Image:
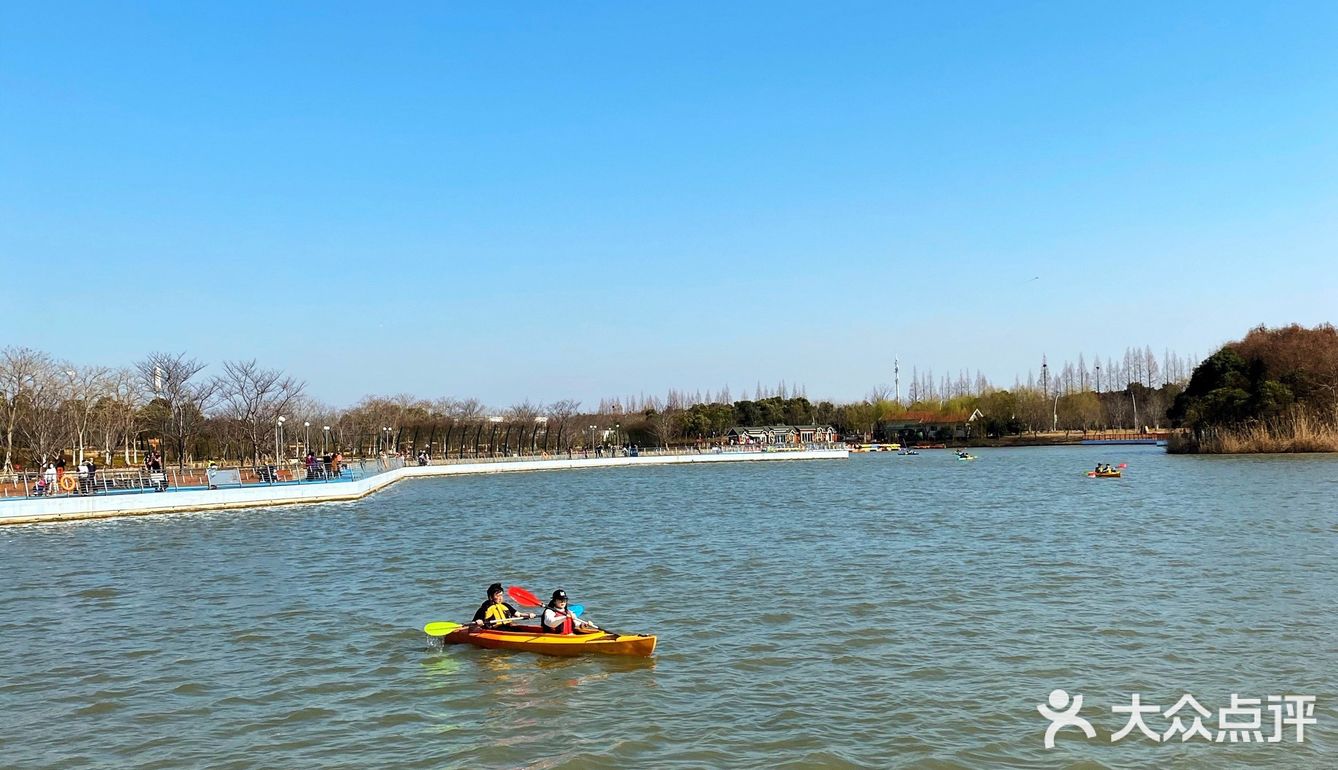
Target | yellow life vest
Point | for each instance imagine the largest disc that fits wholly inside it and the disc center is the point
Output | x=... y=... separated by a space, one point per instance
x=497 y=613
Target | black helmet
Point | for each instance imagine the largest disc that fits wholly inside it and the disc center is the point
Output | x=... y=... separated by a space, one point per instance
x=495 y=588
x=559 y=594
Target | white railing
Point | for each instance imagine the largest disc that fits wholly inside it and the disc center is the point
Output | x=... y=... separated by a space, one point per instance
x=141 y=480
x=19 y=485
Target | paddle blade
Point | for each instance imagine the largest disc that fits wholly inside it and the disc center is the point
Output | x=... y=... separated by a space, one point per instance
x=1091 y=474
x=524 y=598
x=1122 y=465
x=577 y=609
x=441 y=629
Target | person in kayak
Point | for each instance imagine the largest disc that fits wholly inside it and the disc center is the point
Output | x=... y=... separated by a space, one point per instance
x=496 y=613
x=558 y=619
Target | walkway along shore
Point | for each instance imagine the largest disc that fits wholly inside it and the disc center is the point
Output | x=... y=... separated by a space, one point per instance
x=54 y=509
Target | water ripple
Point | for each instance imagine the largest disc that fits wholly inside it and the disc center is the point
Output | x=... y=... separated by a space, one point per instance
x=885 y=611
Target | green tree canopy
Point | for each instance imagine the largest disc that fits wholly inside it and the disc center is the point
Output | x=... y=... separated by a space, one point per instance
x=1263 y=376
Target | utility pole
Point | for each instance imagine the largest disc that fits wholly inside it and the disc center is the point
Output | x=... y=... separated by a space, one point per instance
x=1045 y=376
x=896 y=378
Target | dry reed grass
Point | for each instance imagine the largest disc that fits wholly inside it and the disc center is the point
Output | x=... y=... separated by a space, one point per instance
x=1296 y=431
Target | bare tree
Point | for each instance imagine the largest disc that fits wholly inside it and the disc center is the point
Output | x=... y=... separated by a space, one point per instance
x=662 y=426
x=41 y=425
x=88 y=386
x=184 y=399
x=256 y=398
x=467 y=410
x=116 y=415
x=1118 y=409
x=1068 y=377
x=21 y=370
x=562 y=414
x=523 y=417
x=408 y=412
x=469 y=414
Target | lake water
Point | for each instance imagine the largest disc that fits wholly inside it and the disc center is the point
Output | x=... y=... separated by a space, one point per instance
x=874 y=612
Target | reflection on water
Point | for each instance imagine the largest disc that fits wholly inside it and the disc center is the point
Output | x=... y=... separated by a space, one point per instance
x=882 y=611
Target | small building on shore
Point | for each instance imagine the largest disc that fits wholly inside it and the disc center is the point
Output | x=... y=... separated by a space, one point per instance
x=781 y=435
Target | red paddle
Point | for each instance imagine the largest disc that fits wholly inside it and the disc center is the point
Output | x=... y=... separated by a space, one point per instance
x=524 y=598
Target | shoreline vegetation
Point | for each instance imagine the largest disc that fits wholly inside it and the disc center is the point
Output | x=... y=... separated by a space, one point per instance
x=1295 y=432
x=1274 y=391
x=185 y=412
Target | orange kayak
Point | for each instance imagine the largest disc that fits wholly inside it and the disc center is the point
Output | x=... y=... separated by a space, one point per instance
x=602 y=642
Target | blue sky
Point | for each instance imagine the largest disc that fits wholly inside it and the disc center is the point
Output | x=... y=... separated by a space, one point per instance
x=542 y=201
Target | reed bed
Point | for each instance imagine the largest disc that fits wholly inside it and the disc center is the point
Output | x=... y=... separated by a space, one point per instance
x=1296 y=431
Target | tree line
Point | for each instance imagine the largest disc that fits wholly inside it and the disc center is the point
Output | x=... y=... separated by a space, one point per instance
x=248 y=413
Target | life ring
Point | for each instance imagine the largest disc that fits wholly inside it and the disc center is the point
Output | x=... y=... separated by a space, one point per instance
x=543 y=456
x=68 y=483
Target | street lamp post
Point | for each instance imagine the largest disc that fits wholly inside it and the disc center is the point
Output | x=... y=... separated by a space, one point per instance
x=278 y=439
x=306 y=437
x=325 y=440
x=1054 y=426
